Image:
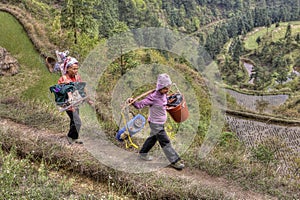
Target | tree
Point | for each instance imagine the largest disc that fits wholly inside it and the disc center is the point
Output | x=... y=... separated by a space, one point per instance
x=248 y=20
x=118 y=48
x=259 y=16
x=77 y=15
x=107 y=17
x=280 y=65
x=258 y=40
x=297 y=38
x=224 y=33
x=212 y=45
x=232 y=28
x=261 y=76
x=283 y=14
x=136 y=14
x=238 y=4
x=268 y=24
x=295 y=9
x=288 y=33
x=236 y=49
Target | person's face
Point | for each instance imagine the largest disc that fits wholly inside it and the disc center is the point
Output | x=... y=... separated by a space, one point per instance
x=164 y=90
x=73 y=70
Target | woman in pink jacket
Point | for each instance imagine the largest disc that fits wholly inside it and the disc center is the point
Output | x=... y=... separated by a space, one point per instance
x=157 y=102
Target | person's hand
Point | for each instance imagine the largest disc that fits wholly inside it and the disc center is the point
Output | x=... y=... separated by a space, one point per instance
x=72 y=109
x=91 y=102
x=129 y=100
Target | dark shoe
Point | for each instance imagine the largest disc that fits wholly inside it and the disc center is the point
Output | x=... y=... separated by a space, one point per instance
x=145 y=157
x=77 y=141
x=178 y=165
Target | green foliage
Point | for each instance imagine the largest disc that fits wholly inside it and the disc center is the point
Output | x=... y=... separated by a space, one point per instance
x=262 y=78
x=263 y=153
x=56 y=32
x=288 y=33
x=77 y=15
x=107 y=17
x=140 y=4
x=273 y=55
x=19 y=178
x=84 y=45
x=136 y=14
x=236 y=49
x=37 y=8
x=228 y=139
x=15 y=40
x=232 y=72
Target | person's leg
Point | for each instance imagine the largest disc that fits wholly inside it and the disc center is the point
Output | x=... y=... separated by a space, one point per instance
x=165 y=144
x=150 y=141
x=75 y=124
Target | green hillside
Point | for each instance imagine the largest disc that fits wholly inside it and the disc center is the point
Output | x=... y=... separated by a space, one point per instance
x=222 y=31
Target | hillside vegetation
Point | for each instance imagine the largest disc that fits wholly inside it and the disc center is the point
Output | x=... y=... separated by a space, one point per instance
x=79 y=31
x=273 y=54
x=24 y=98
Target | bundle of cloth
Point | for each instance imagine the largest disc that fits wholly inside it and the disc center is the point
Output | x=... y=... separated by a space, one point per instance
x=63 y=61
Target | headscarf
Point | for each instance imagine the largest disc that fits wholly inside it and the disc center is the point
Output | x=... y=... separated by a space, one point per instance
x=163 y=80
x=69 y=61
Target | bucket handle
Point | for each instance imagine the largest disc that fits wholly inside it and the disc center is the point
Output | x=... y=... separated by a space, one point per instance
x=174 y=84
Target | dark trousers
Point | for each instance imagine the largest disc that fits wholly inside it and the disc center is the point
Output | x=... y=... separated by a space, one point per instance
x=159 y=134
x=75 y=124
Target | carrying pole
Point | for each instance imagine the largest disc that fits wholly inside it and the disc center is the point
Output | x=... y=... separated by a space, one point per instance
x=137 y=98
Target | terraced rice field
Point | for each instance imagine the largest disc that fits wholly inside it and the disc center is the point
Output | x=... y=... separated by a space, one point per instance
x=251 y=102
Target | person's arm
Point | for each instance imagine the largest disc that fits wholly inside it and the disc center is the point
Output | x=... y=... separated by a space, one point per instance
x=148 y=101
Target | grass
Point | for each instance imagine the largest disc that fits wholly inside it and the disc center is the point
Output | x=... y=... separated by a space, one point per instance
x=255 y=168
x=15 y=36
x=15 y=40
x=80 y=163
x=19 y=178
x=276 y=33
x=23 y=178
x=26 y=95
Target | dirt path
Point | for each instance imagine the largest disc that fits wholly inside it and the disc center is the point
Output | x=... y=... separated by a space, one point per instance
x=194 y=177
